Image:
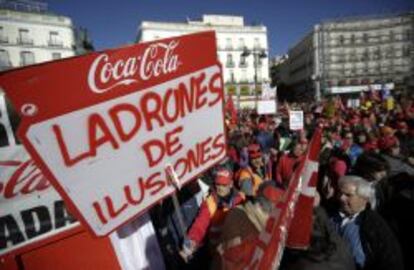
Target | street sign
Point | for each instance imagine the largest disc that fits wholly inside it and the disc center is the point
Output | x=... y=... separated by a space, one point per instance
x=104 y=127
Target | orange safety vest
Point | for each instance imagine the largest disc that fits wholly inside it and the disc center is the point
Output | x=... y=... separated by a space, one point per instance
x=245 y=174
x=217 y=215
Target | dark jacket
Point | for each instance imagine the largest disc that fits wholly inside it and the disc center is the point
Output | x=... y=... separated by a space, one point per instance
x=327 y=250
x=381 y=247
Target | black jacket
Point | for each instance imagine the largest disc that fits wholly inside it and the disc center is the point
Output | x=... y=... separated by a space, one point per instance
x=381 y=247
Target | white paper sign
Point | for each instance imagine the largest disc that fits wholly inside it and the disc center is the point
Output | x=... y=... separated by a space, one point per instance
x=266 y=107
x=296 y=120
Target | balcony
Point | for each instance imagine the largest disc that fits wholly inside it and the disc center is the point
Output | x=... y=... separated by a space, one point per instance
x=4 y=65
x=55 y=43
x=230 y=64
x=243 y=64
x=257 y=47
x=4 y=39
x=25 y=41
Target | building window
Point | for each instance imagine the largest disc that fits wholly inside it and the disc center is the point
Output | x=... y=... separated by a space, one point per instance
x=27 y=58
x=242 y=45
x=243 y=62
x=391 y=35
x=352 y=39
x=390 y=52
x=229 y=61
x=24 y=37
x=228 y=44
x=54 y=39
x=365 y=38
x=406 y=51
x=56 y=55
x=365 y=55
x=3 y=38
x=257 y=61
x=407 y=34
x=4 y=60
x=243 y=76
x=352 y=56
x=377 y=53
x=231 y=77
x=341 y=40
x=257 y=44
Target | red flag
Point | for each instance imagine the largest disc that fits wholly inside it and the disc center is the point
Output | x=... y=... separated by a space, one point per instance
x=301 y=227
x=231 y=110
x=267 y=249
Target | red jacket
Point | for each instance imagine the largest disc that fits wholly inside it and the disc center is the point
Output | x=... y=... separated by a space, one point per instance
x=211 y=217
x=285 y=168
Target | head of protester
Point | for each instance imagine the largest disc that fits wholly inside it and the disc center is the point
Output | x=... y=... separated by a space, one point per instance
x=223 y=182
x=355 y=194
x=250 y=177
x=255 y=157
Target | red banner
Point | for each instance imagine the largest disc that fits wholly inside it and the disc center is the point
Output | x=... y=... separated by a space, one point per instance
x=301 y=227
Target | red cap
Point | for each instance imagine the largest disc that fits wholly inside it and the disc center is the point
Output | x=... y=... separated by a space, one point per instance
x=254 y=151
x=272 y=193
x=223 y=177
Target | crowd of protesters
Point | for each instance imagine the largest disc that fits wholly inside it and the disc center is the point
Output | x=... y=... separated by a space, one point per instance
x=363 y=212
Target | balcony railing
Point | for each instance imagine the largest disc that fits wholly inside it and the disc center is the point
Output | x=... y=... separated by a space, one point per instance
x=25 y=41
x=5 y=65
x=4 y=39
x=55 y=43
x=243 y=64
x=230 y=64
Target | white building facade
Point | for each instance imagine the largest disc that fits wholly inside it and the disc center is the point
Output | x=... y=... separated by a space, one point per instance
x=354 y=53
x=240 y=71
x=30 y=35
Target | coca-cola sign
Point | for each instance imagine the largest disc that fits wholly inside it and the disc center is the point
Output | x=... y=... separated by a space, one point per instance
x=157 y=59
x=31 y=211
x=105 y=133
x=25 y=179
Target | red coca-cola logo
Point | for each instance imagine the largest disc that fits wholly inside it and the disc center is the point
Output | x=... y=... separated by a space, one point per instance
x=158 y=59
x=26 y=179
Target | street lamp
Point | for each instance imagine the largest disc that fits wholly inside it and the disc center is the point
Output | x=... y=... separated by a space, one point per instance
x=257 y=54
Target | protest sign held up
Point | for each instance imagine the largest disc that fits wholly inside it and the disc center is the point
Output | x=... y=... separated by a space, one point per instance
x=103 y=127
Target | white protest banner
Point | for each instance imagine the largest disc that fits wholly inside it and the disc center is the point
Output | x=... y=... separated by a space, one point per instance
x=266 y=107
x=103 y=127
x=296 y=120
x=31 y=211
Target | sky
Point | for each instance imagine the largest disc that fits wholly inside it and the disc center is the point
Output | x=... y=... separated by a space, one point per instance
x=114 y=23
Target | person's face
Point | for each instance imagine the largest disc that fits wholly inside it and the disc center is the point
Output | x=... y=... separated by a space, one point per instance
x=379 y=175
x=411 y=160
x=349 y=138
x=298 y=150
x=257 y=163
x=362 y=138
x=223 y=190
x=351 y=203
